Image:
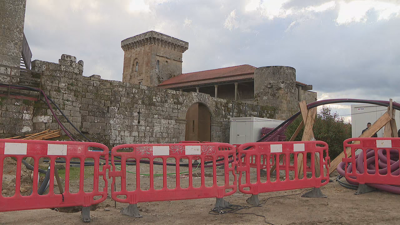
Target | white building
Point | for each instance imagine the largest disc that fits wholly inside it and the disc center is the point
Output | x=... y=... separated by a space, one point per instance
x=361 y=114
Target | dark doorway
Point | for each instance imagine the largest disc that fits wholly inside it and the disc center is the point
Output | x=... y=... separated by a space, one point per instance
x=198 y=123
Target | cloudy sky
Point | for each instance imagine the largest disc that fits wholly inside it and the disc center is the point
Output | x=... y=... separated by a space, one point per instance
x=345 y=49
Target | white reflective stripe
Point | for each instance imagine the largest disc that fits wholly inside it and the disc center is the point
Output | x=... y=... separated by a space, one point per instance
x=15 y=148
x=276 y=148
x=192 y=150
x=298 y=148
x=160 y=150
x=54 y=149
x=384 y=143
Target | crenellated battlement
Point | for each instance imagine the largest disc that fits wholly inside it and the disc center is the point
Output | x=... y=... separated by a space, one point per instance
x=156 y=38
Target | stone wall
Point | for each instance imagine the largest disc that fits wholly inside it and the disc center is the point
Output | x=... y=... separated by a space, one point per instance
x=309 y=96
x=16 y=116
x=12 y=18
x=276 y=86
x=114 y=112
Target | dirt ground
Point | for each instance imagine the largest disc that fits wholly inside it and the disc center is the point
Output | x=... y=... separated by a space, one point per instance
x=341 y=207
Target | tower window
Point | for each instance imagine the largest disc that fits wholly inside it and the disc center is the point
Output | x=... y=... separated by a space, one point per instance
x=158 y=65
x=137 y=66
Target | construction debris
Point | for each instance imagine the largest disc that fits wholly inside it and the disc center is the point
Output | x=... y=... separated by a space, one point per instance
x=44 y=135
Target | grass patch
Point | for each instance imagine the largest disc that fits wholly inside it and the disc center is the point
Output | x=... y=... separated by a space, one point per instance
x=74 y=172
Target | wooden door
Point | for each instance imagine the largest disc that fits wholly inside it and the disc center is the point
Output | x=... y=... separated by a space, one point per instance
x=198 y=123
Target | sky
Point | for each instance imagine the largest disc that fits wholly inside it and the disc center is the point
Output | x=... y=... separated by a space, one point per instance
x=345 y=49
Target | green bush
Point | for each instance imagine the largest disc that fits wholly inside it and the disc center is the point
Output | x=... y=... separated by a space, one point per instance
x=328 y=127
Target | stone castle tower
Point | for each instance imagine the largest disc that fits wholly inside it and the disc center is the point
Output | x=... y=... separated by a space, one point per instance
x=151 y=58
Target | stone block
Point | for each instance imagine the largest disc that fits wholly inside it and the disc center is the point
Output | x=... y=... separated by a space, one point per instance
x=65 y=57
x=39 y=126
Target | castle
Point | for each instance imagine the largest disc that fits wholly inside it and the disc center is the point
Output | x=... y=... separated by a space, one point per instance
x=155 y=60
x=155 y=102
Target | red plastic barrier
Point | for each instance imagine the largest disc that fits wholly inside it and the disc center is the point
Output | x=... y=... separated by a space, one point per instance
x=266 y=154
x=53 y=150
x=263 y=164
x=377 y=160
x=217 y=153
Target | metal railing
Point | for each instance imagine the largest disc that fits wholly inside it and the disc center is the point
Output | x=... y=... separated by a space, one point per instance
x=26 y=53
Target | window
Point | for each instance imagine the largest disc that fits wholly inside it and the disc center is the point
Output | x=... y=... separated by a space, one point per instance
x=158 y=65
x=137 y=66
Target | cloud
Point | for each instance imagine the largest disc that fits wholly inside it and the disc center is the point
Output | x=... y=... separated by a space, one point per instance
x=341 y=60
x=274 y=8
x=252 y=5
x=138 y=6
x=321 y=8
x=356 y=11
x=187 y=22
x=230 y=22
x=290 y=26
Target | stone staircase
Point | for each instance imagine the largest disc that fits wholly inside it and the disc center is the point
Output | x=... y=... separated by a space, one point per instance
x=26 y=79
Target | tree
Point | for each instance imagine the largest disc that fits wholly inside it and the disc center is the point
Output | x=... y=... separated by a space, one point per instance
x=328 y=127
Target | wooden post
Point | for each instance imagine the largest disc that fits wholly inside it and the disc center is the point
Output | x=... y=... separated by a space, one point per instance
x=236 y=91
x=393 y=125
x=301 y=125
x=308 y=135
x=216 y=91
x=59 y=183
x=388 y=128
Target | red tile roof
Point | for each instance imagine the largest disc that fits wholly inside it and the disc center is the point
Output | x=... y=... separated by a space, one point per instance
x=211 y=76
x=234 y=73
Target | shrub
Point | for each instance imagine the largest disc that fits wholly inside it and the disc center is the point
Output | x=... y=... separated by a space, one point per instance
x=328 y=127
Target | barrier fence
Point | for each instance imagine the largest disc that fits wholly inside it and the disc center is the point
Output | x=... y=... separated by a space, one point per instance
x=161 y=172
x=372 y=160
x=198 y=178
x=256 y=160
x=39 y=153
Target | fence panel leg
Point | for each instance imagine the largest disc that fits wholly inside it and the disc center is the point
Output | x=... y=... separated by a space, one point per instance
x=221 y=204
x=85 y=214
x=253 y=200
x=363 y=188
x=314 y=193
x=132 y=211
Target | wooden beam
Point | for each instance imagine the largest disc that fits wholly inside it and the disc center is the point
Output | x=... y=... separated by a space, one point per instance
x=304 y=113
x=387 y=132
x=308 y=129
x=59 y=183
x=393 y=124
x=312 y=113
x=16 y=137
x=308 y=135
x=303 y=110
x=382 y=121
x=301 y=125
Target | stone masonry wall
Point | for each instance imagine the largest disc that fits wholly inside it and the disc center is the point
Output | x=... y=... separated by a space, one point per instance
x=158 y=56
x=114 y=112
x=12 y=18
x=16 y=116
x=276 y=86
